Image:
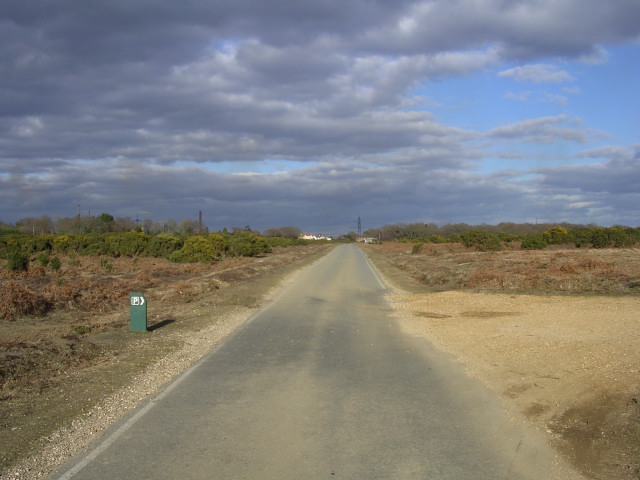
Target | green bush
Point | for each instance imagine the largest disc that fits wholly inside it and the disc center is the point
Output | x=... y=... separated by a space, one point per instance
x=581 y=237
x=104 y=263
x=61 y=243
x=55 y=264
x=127 y=244
x=556 y=235
x=600 y=238
x=623 y=237
x=218 y=242
x=246 y=244
x=43 y=259
x=18 y=262
x=534 y=242
x=8 y=231
x=196 y=248
x=483 y=241
x=162 y=246
x=508 y=237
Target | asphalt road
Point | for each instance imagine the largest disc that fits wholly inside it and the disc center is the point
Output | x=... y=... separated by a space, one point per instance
x=320 y=384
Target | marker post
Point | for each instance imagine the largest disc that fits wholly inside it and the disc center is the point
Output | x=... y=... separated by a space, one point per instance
x=137 y=312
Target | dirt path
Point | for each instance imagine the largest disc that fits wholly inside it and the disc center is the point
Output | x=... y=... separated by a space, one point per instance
x=568 y=364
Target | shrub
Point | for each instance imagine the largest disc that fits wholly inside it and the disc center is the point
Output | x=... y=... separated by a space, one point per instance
x=581 y=237
x=284 y=241
x=61 y=243
x=43 y=243
x=534 y=242
x=55 y=264
x=556 y=235
x=622 y=237
x=18 y=262
x=162 y=246
x=438 y=239
x=247 y=245
x=218 y=242
x=17 y=300
x=508 y=237
x=127 y=244
x=104 y=263
x=600 y=238
x=43 y=259
x=196 y=248
x=483 y=241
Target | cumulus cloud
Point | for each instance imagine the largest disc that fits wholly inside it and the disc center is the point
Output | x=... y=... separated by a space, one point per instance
x=539 y=73
x=519 y=96
x=541 y=130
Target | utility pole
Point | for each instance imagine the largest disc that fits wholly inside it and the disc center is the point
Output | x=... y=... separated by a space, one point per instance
x=359 y=227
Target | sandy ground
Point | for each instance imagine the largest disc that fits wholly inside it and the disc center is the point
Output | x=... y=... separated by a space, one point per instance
x=570 y=365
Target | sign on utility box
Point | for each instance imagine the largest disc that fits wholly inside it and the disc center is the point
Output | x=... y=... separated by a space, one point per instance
x=137 y=312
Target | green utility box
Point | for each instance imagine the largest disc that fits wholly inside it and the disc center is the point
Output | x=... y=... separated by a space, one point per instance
x=137 y=312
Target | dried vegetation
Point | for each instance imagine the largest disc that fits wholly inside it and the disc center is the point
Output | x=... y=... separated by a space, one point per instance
x=561 y=270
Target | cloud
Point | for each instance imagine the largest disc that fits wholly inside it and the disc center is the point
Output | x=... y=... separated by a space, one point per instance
x=610 y=152
x=560 y=100
x=597 y=56
x=542 y=130
x=519 y=96
x=125 y=107
x=539 y=73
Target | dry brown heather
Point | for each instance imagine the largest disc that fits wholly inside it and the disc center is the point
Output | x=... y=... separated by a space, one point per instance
x=555 y=333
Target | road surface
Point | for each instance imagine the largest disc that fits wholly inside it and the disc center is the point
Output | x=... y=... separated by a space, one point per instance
x=319 y=384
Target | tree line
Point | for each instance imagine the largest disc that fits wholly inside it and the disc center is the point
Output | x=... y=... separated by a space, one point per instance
x=44 y=239
x=496 y=237
x=107 y=223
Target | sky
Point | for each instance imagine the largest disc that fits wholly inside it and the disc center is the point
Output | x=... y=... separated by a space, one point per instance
x=312 y=114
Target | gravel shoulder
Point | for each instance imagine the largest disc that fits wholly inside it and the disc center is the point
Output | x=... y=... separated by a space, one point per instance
x=567 y=364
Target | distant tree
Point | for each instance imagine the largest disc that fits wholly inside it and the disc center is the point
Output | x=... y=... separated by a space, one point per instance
x=286 y=232
x=290 y=232
x=104 y=223
x=36 y=226
x=147 y=225
x=171 y=226
x=188 y=226
x=67 y=225
x=106 y=218
x=124 y=224
x=352 y=236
